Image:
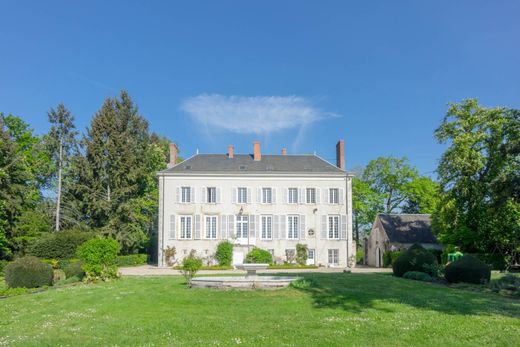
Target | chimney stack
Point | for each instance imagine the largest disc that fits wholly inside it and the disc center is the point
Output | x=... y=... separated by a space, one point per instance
x=256 y=151
x=284 y=151
x=174 y=150
x=340 y=154
x=230 y=151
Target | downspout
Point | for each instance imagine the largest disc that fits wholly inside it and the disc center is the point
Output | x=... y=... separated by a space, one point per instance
x=161 y=244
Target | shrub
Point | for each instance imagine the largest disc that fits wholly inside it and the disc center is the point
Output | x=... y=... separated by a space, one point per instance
x=3 y=264
x=55 y=263
x=190 y=265
x=416 y=258
x=131 y=260
x=468 y=269
x=68 y=280
x=360 y=255
x=74 y=269
x=302 y=252
x=418 y=276
x=508 y=283
x=169 y=255
x=99 y=258
x=258 y=255
x=389 y=258
x=59 y=275
x=224 y=253
x=59 y=245
x=28 y=272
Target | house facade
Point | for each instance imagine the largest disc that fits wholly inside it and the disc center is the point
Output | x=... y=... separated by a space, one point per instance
x=272 y=202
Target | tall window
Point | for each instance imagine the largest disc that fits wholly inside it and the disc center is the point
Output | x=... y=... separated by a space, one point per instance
x=333 y=196
x=242 y=195
x=333 y=256
x=212 y=195
x=267 y=195
x=333 y=227
x=311 y=254
x=211 y=227
x=292 y=227
x=311 y=195
x=242 y=226
x=267 y=227
x=186 y=194
x=186 y=227
x=293 y=196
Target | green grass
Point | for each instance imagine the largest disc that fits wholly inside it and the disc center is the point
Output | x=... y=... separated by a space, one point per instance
x=335 y=310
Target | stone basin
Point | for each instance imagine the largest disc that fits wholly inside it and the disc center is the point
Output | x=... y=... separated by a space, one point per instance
x=252 y=268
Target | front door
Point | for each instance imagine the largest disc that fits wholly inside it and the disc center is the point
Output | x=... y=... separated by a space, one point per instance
x=311 y=257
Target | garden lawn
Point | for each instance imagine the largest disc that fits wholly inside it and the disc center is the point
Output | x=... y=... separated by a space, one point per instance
x=335 y=310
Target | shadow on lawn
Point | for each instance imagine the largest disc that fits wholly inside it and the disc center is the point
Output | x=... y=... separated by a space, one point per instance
x=359 y=292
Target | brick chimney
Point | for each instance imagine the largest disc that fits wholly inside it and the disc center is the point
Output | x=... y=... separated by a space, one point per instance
x=256 y=151
x=284 y=151
x=174 y=150
x=230 y=151
x=340 y=154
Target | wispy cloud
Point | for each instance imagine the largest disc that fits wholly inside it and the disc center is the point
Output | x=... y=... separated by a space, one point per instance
x=253 y=114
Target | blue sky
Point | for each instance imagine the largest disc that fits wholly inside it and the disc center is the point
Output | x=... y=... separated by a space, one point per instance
x=295 y=74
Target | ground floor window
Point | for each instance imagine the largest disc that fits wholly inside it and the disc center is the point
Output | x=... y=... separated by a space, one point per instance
x=310 y=255
x=186 y=225
x=211 y=227
x=267 y=227
x=242 y=226
x=333 y=256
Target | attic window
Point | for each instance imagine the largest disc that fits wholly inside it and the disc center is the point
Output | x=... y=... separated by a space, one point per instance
x=188 y=167
x=242 y=167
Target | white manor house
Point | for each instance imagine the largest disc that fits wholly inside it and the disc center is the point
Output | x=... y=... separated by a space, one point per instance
x=272 y=202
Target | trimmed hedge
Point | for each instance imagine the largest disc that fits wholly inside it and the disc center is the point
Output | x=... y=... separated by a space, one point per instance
x=418 y=276
x=28 y=272
x=259 y=256
x=224 y=253
x=59 y=245
x=99 y=258
x=468 y=269
x=416 y=258
x=131 y=260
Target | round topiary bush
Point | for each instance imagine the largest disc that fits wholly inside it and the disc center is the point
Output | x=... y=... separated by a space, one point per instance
x=418 y=276
x=28 y=272
x=99 y=258
x=468 y=269
x=415 y=258
x=259 y=256
x=224 y=253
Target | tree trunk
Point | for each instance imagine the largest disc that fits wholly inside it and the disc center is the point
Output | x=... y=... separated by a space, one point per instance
x=58 y=195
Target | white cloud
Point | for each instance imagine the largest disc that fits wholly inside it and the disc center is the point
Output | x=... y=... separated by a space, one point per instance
x=253 y=114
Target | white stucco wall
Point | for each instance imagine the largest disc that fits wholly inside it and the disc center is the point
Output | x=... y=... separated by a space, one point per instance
x=313 y=213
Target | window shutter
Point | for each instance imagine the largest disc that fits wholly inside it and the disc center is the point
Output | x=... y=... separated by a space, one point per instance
x=218 y=195
x=259 y=195
x=324 y=227
x=340 y=196
x=344 y=227
x=172 y=226
x=326 y=196
x=252 y=225
x=231 y=226
x=222 y=221
x=286 y=195
x=248 y=195
x=204 y=195
x=197 y=227
x=301 y=195
x=192 y=198
x=234 y=195
x=318 y=195
x=274 y=195
x=276 y=227
x=303 y=230
x=283 y=229
x=178 y=195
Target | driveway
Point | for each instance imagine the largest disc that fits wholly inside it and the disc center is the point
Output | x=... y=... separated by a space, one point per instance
x=150 y=270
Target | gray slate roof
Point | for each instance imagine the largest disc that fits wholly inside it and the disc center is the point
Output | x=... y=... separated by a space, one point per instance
x=408 y=228
x=244 y=163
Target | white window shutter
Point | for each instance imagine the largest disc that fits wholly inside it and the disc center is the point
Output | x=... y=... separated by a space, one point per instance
x=252 y=225
x=318 y=195
x=204 y=195
x=324 y=227
x=231 y=226
x=301 y=195
x=273 y=190
x=344 y=227
x=178 y=194
x=172 y=226
x=286 y=195
x=283 y=228
x=192 y=191
x=223 y=227
x=197 y=227
x=276 y=227
x=248 y=195
x=234 y=195
x=259 y=195
x=218 y=195
x=326 y=196
x=303 y=230
x=340 y=197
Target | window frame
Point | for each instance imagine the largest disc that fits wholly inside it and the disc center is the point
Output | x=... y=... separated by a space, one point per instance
x=334 y=254
x=334 y=196
x=292 y=198
x=211 y=192
x=239 y=226
x=267 y=192
x=213 y=227
x=239 y=195
x=186 y=198
x=335 y=224
x=312 y=195
x=268 y=232
x=183 y=219
x=293 y=227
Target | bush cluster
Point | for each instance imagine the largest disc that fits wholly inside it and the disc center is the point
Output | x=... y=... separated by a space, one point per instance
x=99 y=258
x=468 y=269
x=224 y=253
x=418 y=276
x=416 y=258
x=190 y=265
x=131 y=260
x=259 y=256
x=389 y=258
x=28 y=272
x=59 y=245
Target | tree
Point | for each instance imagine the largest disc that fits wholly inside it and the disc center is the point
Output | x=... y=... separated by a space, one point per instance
x=422 y=196
x=366 y=204
x=479 y=175
x=389 y=176
x=61 y=144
